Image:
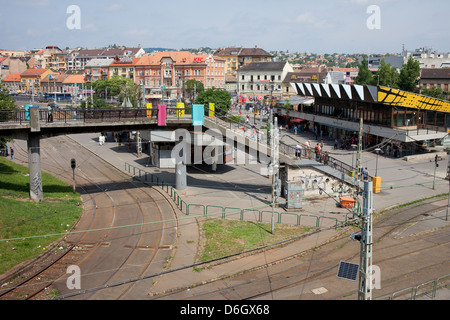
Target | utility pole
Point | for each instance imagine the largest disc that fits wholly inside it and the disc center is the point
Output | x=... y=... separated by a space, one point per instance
x=275 y=168
x=138 y=144
x=359 y=153
x=436 y=165
x=365 y=265
x=448 y=202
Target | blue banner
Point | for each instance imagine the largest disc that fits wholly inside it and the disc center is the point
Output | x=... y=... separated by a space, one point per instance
x=198 y=113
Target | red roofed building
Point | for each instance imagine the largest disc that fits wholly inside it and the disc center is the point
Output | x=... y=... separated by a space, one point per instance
x=123 y=67
x=12 y=82
x=166 y=72
x=31 y=79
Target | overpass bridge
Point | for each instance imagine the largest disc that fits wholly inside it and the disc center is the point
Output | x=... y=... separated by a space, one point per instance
x=35 y=123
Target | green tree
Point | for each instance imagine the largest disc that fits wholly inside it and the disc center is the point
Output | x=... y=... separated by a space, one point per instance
x=387 y=75
x=193 y=88
x=434 y=92
x=408 y=78
x=220 y=97
x=6 y=103
x=365 y=76
x=116 y=87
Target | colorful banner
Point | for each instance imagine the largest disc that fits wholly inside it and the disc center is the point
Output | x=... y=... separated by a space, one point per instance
x=162 y=115
x=180 y=110
x=212 y=110
x=198 y=113
x=149 y=107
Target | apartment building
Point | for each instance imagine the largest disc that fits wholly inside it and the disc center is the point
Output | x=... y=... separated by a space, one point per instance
x=32 y=79
x=260 y=79
x=236 y=58
x=12 y=82
x=124 y=67
x=166 y=72
x=97 y=69
x=437 y=78
x=77 y=59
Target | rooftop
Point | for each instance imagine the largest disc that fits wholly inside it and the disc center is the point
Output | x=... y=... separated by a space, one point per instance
x=264 y=66
x=33 y=72
x=435 y=74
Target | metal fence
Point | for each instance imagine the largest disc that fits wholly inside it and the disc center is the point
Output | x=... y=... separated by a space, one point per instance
x=428 y=289
x=188 y=209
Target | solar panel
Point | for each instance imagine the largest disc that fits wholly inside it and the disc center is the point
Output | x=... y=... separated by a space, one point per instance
x=348 y=271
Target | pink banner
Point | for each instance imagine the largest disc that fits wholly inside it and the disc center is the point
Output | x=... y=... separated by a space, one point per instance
x=162 y=115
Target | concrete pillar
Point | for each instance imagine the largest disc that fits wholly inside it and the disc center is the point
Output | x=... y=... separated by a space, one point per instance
x=34 y=166
x=181 y=176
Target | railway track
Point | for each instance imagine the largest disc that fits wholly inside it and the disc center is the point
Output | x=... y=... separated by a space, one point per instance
x=295 y=278
x=129 y=203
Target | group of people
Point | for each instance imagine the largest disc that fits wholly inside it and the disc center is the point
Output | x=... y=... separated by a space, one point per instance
x=319 y=155
x=5 y=152
x=345 y=144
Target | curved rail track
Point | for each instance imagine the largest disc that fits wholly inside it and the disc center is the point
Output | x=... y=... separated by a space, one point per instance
x=103 y=250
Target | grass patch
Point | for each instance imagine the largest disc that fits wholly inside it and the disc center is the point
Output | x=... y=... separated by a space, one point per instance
x=20 y=217
x=227 y=237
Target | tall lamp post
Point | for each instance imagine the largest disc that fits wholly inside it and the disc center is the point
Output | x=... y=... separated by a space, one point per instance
x=377 y=150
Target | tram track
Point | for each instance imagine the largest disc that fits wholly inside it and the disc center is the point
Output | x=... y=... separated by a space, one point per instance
x=57 y=169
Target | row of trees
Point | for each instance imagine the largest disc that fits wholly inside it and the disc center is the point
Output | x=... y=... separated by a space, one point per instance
x=388 y=76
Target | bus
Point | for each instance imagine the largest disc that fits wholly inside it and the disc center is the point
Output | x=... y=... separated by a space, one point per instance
x=57 y=96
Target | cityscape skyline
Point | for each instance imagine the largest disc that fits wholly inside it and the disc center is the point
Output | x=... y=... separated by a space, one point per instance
x=330 y=26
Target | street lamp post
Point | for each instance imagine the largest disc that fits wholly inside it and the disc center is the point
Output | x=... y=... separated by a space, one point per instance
x=377 y=150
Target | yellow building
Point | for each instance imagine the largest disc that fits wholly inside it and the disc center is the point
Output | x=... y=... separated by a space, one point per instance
x=236 y=58
x=32 y=78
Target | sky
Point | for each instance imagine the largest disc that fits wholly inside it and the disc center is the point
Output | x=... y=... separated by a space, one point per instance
x=320 y=26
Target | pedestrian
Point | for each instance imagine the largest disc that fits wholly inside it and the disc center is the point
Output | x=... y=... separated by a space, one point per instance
x=295 y=130
x=327 y=158
x=298 y=151
x=317 y=151
x=50 y=113
x=12 y=154
x=100 y=140
x=365 y=174
x=335 y=144
x=321 y=144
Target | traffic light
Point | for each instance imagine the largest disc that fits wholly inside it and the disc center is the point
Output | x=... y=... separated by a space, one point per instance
x=73 y=164
x=436 y=159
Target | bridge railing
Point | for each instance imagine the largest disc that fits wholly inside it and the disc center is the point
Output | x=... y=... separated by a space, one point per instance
x=305 y=152
x=22 y=116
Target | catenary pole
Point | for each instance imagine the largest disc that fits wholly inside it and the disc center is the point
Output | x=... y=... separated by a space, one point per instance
x=365 y=265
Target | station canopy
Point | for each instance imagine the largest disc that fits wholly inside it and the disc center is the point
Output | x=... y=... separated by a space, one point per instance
x=372 y=94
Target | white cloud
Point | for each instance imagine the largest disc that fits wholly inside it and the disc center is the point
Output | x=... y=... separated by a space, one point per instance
x=114 y=8
x=33 y=3
x=309 y=19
